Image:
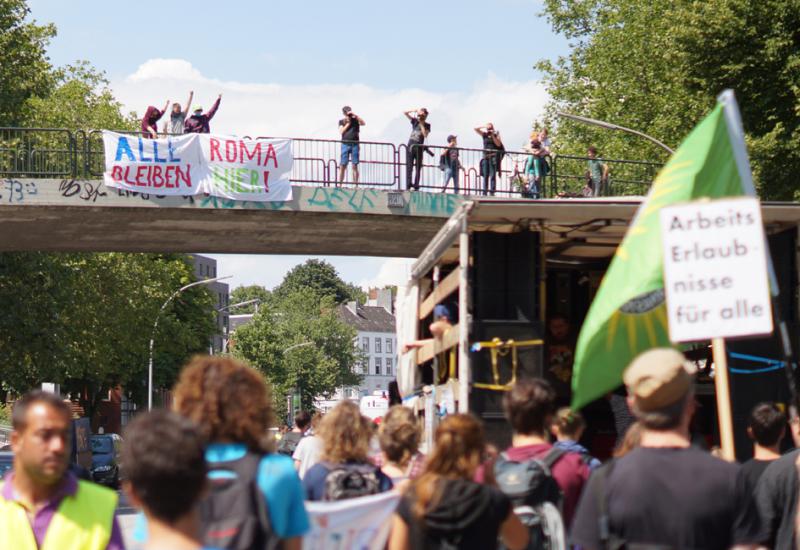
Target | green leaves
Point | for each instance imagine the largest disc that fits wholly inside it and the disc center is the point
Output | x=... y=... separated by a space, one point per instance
x=84 y=320
x=297 y=338
x=657 y=66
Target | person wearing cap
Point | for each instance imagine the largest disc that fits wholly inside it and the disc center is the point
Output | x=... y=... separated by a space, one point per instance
x=442 y=322
x=450 y=164
x=198 y=122
x=666 y=493
x=349 y=128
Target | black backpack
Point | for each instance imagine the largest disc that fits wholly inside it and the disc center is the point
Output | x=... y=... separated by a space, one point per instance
x=289 y=442
x=535 y=497
x=350 y=481
x=234 y=514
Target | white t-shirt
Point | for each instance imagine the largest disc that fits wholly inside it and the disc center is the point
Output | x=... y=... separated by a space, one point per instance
x=308 y=453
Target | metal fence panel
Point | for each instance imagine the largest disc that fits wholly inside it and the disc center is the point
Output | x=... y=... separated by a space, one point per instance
x=36 y=152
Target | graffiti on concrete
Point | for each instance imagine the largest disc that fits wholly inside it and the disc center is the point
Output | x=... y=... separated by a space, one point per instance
x=88 y=191
x=343 y=200
x=15 y=191
x=433 y=204
x=308 y=199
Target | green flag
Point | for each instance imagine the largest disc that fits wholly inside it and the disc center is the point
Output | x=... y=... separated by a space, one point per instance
x=628 y=314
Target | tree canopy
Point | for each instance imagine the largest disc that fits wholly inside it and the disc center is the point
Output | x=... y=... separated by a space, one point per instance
x=245 y=294
x=84 y=320
x=37 y=94
x=301 y=345
x=657 y=67
x=322 y=278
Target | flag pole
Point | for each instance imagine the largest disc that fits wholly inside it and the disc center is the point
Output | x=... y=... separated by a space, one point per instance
x=722 y=387
x=736 y=135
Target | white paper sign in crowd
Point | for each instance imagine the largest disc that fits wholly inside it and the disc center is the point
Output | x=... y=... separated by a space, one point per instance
x=362 y=523
x=715 y=270
x=191 y=164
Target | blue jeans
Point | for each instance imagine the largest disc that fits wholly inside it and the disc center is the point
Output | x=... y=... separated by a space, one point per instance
x=489 y=173
x=450 y=173
x=349 y=151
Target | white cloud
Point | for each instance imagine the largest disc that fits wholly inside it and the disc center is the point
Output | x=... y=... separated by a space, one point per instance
x=253 y=108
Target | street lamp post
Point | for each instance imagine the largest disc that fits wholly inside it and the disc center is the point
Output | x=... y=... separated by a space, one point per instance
x=155 y=327
x=609 y=126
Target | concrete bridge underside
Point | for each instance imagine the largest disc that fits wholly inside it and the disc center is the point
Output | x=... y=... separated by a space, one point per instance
x=75 y=215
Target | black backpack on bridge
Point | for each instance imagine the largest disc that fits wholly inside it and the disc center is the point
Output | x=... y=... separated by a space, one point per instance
x=234 y=514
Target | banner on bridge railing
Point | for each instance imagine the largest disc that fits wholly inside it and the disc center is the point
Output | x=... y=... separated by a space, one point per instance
x=192 y=164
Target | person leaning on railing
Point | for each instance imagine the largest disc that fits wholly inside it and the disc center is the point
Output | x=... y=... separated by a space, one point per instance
x=150 y=121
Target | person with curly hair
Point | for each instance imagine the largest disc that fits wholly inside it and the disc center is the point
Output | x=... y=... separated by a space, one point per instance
x=345 y=470
x=232 y=406
x=446 y=508
x=399 y=436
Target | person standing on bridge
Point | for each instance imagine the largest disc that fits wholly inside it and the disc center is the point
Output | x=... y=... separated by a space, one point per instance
x=43 y=506
x=177 y=118
x=198 y=122
x=150 y=121
x=492 y=155
x=349 y=128
x=420 y=128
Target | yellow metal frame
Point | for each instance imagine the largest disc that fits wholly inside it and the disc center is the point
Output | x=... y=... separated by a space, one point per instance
x=498 y=348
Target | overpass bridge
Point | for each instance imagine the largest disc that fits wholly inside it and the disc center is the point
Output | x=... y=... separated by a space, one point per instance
x=52 y=199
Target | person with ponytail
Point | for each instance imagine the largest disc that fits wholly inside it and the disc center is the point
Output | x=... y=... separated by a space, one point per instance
x=445 y=508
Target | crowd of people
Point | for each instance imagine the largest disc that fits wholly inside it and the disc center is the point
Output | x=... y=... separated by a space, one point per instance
x=208 y=473
x=530 y=177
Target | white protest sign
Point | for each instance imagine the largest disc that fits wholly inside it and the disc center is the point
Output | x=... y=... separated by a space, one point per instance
x=715 y=270
x=363 y=523
x=191 y=164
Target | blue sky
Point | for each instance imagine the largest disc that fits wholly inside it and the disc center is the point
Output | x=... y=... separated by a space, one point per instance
x=441 y=46
x=285 y=68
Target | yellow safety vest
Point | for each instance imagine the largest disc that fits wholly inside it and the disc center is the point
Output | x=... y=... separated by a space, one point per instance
x=83 y=521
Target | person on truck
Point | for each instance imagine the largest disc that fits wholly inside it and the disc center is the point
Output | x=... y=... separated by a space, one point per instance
x=42 y=504
x=442 y=322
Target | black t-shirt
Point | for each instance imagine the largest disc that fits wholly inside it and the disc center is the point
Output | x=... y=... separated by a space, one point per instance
x=416 y=131
x=468 y=516
x=678 y=498
x=752 y=470
x=351 y=134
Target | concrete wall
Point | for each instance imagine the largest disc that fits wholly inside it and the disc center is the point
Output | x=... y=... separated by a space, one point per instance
x=74 y=215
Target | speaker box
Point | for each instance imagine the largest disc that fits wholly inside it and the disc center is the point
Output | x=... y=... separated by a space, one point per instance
x=504 y=276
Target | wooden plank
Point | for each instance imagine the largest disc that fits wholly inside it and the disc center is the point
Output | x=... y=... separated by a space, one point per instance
x=434 y=347
x=448 y=285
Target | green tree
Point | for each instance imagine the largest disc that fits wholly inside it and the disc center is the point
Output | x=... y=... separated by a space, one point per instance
x=25 y=70
x=245 y=294
x=320 y=277
x=275 y=342
x=79 y=100
x=84 y=321
x=657 y=66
